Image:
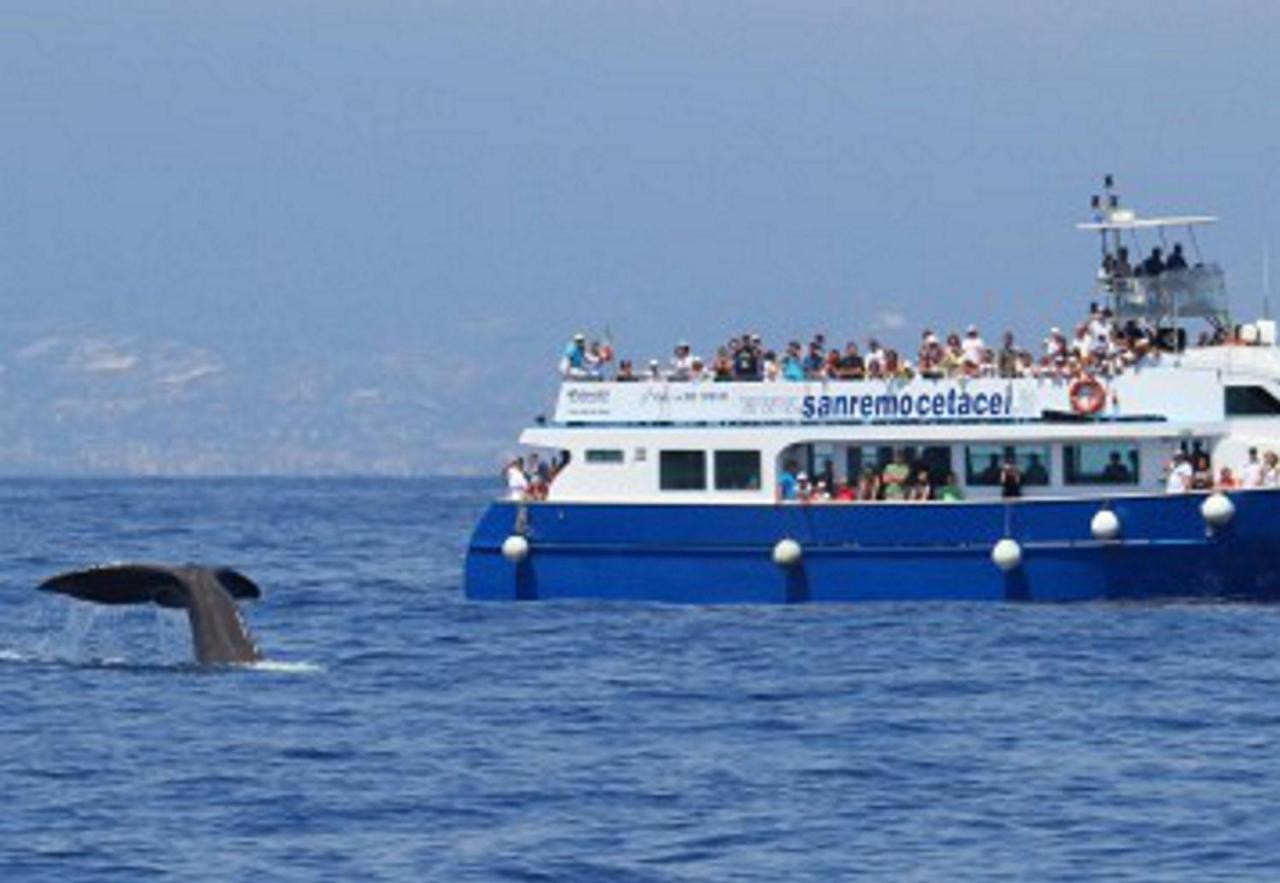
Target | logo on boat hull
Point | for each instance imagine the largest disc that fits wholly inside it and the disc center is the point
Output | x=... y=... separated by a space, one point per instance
x=950 y=405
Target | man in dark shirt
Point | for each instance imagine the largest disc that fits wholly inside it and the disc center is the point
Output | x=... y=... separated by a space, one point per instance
x=746 y=361
x=1115 y=471
x=851 y=367
x=1177 y=261
x=1153 y=265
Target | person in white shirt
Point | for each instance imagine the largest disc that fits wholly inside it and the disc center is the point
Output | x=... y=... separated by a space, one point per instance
x=517 y=481
x=973 y=347
x=1251 y=473
x=1179 y=474
x=1270 y=469
x=682 y=362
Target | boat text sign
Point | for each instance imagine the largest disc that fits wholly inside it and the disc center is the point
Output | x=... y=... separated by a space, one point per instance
x=847 y=402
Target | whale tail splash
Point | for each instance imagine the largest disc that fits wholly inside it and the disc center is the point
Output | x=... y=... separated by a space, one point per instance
x=218 y=631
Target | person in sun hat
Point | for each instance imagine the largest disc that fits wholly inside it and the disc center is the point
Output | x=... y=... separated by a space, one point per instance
x=575 y=363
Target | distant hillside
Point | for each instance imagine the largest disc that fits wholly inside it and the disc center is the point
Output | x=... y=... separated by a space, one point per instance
x=102 y=404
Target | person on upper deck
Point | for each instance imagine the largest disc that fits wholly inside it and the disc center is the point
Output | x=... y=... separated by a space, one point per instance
x=746 y=359
x=793 y=363
x=851 y=367
x=1154 y=264
x=1177 y=260
x=1009 y=357
x=1121 y=267
x=682 y=360
x=815 y=361
x=973 y=348
x=577 y=363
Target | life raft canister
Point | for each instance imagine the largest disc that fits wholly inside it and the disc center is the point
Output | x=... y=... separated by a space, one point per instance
x=1087 y=394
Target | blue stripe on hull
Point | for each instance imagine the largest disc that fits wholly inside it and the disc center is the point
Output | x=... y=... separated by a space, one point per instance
x=710 y=554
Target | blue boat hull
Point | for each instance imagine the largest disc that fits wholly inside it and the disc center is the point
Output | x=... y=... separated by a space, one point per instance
x=706 y=554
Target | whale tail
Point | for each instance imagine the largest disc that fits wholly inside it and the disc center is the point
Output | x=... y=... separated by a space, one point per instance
x=207 y=594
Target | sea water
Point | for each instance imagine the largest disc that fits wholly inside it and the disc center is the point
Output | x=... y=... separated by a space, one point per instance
x=399 y=732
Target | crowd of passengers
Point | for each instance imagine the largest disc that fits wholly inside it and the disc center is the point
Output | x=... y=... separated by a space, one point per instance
x=1098 y=345
x=1187 y=470
x=900 y=481
x=1118 y=265
x=530 y=478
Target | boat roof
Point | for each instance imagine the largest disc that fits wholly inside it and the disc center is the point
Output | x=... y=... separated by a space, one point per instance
x=1127 y=220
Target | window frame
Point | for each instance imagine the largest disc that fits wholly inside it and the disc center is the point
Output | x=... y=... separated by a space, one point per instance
x=665 y=454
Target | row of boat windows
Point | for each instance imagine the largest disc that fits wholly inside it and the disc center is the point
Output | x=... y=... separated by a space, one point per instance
x=740 y=470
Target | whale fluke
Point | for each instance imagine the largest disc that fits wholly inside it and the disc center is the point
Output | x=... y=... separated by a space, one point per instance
x=208 y=593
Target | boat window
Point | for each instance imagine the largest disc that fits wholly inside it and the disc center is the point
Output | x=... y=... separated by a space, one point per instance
x=682 y=470
x=737 y=470
x=1101 y=463
x=1250 y=401
x=982 y=463
x=604 y=455
x=936 y=459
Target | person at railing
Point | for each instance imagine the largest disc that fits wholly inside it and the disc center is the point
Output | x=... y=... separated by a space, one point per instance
x=1178 y=472
x=1009 y=357
x=771 y=370
x=1270 y=469
x=517 y=481
x=844 y=492
x=746 y=359
x=1226 y=480
x=626 y=374
x=681 y=362
x=815 y=362
x=577 y=363
x=1177 y=260
x=1251 y=472
x=1154 y=264
x=655 y=370
x=973 y=349
x=1122 y=269
x=850 y=365
x=792 y=362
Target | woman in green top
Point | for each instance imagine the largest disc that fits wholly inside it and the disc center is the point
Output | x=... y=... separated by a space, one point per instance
x=895 y=477
x=951 y=492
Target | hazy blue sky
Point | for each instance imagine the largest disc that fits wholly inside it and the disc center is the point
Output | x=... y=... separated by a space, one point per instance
x=291 y=182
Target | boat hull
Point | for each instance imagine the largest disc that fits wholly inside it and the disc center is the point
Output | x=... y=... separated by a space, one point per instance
x=709 y=554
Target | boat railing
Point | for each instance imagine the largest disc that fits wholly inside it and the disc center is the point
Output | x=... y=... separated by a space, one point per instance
x=1195 y=292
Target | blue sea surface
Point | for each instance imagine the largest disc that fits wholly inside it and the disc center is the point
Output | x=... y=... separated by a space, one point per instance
x=400 y=732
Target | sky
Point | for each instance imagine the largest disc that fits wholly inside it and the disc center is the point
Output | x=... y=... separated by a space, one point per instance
x=398 y=212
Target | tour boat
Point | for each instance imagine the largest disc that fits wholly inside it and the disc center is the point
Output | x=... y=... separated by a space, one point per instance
x=668 y=491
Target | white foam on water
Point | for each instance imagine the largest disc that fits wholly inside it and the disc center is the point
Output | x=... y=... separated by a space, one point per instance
x=277 y=665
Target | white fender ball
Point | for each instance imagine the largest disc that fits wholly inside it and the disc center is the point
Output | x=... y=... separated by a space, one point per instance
x=1217 y=509
x=515 y=548
x=787 y=553
x=1105 y=525
x=1006 y=554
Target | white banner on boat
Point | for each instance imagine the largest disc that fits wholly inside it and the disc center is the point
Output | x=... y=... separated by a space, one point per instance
x=1175 y=395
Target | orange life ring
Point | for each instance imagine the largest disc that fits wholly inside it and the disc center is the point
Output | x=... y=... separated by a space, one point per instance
x=1087 y=394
